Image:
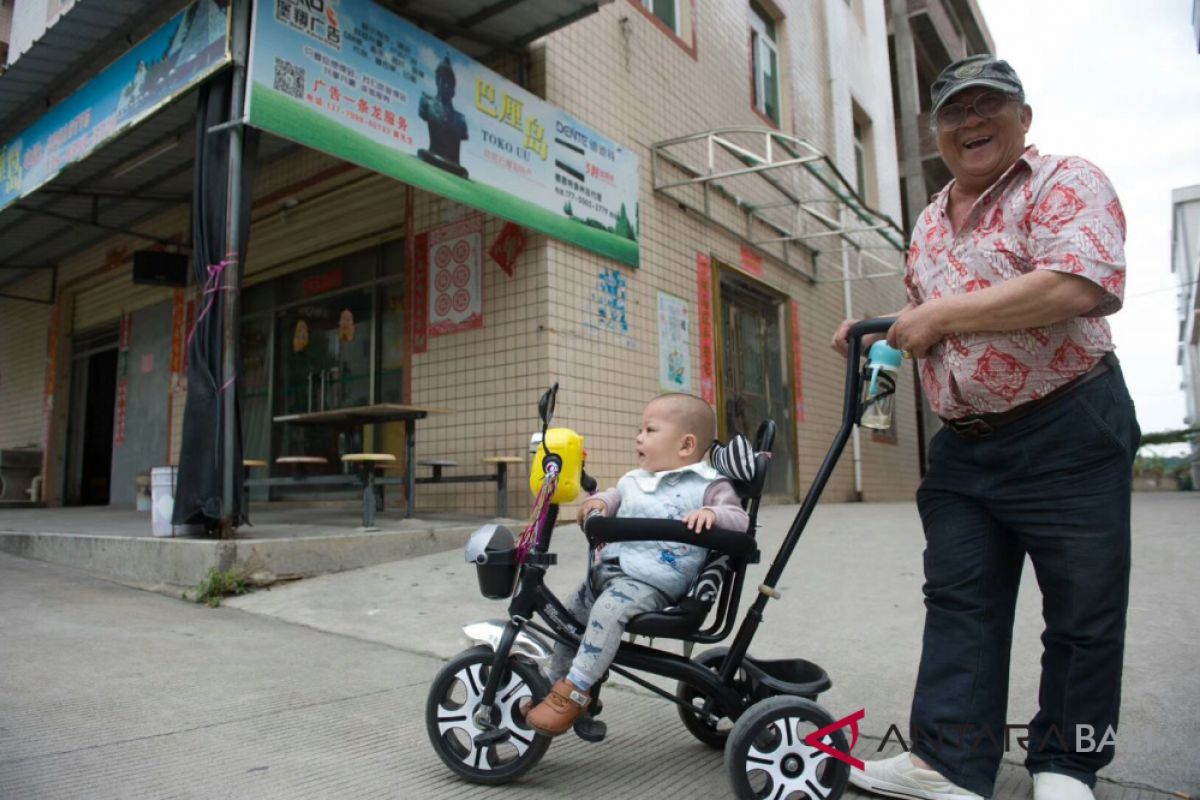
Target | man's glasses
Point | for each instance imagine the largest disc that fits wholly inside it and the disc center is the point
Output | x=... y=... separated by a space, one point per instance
x=989 y=104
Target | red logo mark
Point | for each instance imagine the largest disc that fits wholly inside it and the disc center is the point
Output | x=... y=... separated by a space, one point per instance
x=814 y=738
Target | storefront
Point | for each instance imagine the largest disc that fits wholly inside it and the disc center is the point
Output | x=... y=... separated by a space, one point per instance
x=424 y=230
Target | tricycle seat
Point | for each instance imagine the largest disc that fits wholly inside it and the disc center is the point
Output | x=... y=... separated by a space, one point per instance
x=720 y=580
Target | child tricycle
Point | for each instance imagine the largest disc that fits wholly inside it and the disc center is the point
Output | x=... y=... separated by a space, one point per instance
x=778 y=741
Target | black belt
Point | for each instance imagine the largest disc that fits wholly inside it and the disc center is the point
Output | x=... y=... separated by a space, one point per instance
x=979 y=426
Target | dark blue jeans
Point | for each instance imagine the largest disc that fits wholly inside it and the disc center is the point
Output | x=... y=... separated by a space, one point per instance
x=1055 y=485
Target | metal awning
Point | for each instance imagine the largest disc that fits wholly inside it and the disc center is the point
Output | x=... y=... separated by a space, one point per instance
x=148 y=169
x=98 y=31
x=135 y=177
x=483 y=29
x=65 y=56
x=782 y=195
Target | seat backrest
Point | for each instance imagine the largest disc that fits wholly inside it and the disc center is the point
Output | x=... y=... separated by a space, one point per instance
x=750 y=491
x=721 y=576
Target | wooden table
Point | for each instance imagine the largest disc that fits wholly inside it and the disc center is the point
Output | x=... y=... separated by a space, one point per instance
x=359 y=416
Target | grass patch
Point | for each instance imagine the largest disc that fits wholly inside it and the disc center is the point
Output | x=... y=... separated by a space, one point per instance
x=218 y=584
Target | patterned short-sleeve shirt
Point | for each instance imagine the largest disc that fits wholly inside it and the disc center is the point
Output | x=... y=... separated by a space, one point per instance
x=1046 y=212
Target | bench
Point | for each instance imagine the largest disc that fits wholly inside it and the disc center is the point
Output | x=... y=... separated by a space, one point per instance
x=299 y=476
x=439 y=465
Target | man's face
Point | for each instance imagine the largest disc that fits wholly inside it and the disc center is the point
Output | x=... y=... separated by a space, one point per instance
x=980 y=150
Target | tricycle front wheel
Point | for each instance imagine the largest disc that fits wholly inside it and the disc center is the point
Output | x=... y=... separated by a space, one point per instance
x=454 y=698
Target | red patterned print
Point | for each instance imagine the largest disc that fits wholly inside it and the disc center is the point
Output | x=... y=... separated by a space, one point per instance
x=992 y=223
x=1003 y=375
x=1071 y=359
x=1058 y=209
x=1047 y=212
x=932 y=385
x=1072 y=264
x=1117 y=213
x=1115 y=283
x=935 y=242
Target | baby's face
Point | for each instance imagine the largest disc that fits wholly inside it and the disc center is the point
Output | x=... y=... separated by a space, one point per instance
x=660 y=444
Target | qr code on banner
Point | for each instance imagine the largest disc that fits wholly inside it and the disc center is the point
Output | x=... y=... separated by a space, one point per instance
x=289 y=78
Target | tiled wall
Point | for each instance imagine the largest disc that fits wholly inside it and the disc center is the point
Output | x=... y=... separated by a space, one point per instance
x=619 y=73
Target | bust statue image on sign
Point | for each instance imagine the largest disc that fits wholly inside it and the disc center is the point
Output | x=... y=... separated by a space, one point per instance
x=447 y=126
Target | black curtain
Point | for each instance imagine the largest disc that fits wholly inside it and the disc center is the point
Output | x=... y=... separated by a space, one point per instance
x=200 y=484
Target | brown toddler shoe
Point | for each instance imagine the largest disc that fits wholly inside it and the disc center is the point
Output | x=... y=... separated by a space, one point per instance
x=558 y=712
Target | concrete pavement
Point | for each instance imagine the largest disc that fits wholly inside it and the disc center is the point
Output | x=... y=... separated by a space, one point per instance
x=852 y=603
x=317 y=688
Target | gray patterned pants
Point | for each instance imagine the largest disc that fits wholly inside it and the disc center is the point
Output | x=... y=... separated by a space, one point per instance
x=607 y=599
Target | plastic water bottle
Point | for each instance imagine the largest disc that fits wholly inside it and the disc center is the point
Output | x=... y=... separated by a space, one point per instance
x=883 y=365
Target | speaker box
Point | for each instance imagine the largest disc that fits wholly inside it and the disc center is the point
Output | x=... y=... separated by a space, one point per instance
x=160 y=269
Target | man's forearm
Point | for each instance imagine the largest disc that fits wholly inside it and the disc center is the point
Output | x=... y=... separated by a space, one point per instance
x=1029 y=301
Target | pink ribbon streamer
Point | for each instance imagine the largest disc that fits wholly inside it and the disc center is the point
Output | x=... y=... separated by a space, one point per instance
x=212 y=285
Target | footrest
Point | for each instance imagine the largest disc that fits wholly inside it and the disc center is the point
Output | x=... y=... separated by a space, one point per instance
x=590 y=729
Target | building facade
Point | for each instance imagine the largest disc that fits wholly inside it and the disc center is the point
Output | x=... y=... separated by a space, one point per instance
x=1185 y=263
x=744 y=266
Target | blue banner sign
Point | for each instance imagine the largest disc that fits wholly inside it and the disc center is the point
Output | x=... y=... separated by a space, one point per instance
x=189 y=48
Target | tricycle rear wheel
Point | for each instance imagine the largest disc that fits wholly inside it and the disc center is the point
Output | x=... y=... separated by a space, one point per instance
x=715 y=735
x=767 y=755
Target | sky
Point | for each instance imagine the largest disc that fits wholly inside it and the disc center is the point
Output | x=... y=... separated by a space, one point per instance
x=1118 y=83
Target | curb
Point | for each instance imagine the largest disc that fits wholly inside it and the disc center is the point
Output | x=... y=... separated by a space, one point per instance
x=185 y=562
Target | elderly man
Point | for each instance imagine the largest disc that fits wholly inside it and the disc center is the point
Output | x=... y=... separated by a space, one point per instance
x=1011 y=270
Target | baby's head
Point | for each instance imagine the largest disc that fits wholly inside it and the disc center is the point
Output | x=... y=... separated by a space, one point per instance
x=676 y=431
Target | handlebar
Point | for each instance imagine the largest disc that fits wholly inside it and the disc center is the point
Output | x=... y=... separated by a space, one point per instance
x=865 y=327
x=599 y=528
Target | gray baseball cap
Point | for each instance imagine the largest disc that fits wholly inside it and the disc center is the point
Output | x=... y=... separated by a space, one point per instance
x=980 y=70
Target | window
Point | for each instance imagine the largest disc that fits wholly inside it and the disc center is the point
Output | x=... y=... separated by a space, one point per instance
x=864 y=155
x=673 y=18
x=860 y=159
x=764 y=61
x=665 y=10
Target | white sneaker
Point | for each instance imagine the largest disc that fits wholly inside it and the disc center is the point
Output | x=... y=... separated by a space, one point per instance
x=899 y=777
x=1053 y=786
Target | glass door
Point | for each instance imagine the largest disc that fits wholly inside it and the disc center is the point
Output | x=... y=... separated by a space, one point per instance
x=322 y=362
x=753 y=382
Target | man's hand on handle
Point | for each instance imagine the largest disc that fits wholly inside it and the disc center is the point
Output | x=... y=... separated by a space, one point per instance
x=913 y=337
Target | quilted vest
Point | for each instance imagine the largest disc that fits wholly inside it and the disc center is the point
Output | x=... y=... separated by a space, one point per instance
x=668 y=566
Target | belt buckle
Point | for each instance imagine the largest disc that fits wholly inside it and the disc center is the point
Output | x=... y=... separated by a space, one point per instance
x=975 y=428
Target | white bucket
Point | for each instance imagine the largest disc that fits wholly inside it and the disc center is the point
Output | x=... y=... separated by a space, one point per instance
x=162 y=504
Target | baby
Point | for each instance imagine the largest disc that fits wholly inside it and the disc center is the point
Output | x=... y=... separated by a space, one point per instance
x=629 y=578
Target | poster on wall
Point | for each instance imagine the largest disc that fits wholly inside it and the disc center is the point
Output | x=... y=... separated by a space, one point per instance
x=455 y=260
x=189 y=48
x=122 y=380
x=797 y=358
x=704 y=314
x=363 y=84
x=673 y=344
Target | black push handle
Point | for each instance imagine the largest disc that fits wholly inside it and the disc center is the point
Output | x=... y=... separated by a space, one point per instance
x=865 y=327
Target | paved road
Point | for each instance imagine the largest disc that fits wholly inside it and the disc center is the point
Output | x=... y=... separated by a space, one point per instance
x=316 y=689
